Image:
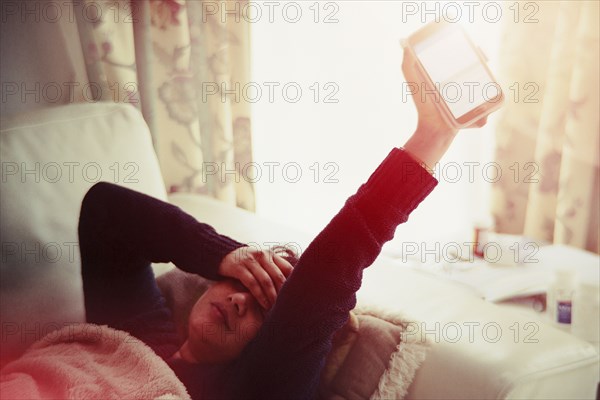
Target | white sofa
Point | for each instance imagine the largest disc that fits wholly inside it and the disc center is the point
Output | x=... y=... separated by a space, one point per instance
x=474 y=355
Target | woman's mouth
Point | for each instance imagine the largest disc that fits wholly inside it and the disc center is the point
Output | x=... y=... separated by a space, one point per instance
x=221 y=313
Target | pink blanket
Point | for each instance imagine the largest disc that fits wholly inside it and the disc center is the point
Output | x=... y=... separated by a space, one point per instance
x=87 y=361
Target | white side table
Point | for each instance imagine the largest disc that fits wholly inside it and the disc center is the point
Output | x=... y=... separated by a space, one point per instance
x=523 y=287
x=586 y=266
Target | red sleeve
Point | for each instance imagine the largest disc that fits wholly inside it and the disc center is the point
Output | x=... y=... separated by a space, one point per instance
x=286 y=357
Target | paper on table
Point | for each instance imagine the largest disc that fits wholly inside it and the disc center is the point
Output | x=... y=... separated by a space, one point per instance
x=495 y=282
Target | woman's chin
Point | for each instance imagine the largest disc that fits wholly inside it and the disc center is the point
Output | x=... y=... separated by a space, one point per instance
x=200 y=328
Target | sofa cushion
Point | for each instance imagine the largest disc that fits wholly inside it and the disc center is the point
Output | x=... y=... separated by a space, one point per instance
x=372 y=357
x=49 y=159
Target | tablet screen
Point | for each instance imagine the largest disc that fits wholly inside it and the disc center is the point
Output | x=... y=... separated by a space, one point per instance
x=456 y=70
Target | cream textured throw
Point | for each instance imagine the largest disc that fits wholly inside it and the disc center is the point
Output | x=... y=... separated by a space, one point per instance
x=410 y=352
x=374 y=356
x=87 y=361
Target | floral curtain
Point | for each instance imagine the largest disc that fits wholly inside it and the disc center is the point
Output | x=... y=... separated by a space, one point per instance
x=183 y=63
x=548 y=133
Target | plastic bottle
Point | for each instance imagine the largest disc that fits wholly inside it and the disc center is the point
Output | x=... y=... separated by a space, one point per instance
x=560 y=298
x=586 y=311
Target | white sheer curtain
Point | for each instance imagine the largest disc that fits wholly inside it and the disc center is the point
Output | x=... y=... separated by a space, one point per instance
x=548 y=139
x=170 y=58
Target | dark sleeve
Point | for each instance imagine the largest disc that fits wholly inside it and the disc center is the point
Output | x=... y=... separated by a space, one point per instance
x=286 y=357
x=121 y=232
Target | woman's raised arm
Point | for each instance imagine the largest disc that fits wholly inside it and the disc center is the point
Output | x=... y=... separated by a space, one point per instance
x=286 y=357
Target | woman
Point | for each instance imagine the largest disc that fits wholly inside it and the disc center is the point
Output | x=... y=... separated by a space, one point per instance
x=241 y=342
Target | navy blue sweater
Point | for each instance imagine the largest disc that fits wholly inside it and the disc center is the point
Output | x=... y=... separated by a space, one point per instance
x=122 y=231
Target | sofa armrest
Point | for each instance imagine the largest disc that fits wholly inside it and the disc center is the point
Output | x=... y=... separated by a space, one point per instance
x=50 y=158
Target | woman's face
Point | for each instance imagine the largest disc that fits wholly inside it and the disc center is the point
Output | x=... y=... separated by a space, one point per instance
x=223 y=321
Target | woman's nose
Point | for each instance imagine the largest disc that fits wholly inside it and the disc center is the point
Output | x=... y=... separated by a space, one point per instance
x=240 y=301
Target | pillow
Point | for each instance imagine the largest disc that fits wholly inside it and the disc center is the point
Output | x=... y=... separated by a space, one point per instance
x=371 y=357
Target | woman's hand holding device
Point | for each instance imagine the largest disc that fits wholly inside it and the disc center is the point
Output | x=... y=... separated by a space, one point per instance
x=451 y=87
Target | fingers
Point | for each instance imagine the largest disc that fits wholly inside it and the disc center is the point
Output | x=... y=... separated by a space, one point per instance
x=267 y=261
x=425 y=103
x=285 y=267
x=479 y=123
x=262 y=287
x=263 y=273
x=408 y=66
x=269 y=272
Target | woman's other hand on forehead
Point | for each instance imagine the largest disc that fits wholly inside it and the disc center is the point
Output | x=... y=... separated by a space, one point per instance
x=262 y=271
